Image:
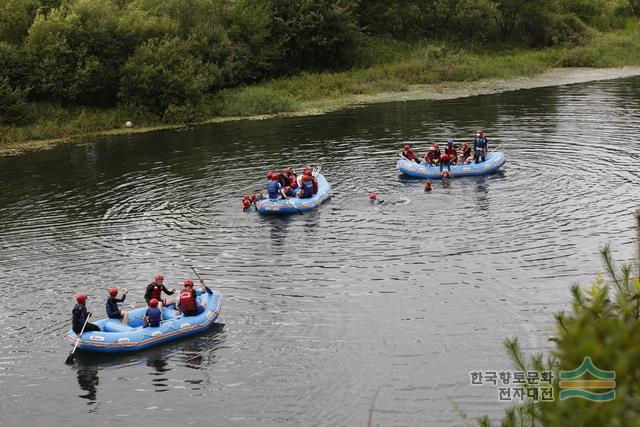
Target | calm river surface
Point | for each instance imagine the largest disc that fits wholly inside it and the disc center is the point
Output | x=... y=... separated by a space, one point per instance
x=329 y=317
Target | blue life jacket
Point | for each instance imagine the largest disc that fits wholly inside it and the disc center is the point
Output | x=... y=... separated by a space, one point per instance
x=79 y=315
x=480 y=142
x=307 y=189
x=273 y=188
x=111 y=306
x=154 y=314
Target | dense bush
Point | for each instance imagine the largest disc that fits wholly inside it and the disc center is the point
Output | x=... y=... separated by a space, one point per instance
x=165 y=72
x=166 y=56
x=12 y=103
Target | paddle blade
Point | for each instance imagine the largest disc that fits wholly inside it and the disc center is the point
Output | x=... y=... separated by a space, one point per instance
x=69 y=360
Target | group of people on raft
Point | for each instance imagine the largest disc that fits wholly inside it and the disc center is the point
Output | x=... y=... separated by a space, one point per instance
x=452 y=155
x=186 y=303
x=286 y=184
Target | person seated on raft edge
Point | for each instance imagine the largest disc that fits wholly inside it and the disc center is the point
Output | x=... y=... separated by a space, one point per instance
x=465 y=155
x=306 y=188
x=188 y=304
x=153 y=315
x=155 y=290
x=314 y=181
x=79 y=315
x=111 y=306
x=451 y=151
x=480 y=146
x=431 y=157
x=273 y=186
x=408 y=154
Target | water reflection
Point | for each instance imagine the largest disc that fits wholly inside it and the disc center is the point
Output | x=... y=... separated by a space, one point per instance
x=88 y=381
x=166 y=364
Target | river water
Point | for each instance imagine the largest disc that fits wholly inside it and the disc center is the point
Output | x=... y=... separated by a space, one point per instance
x=351 y=314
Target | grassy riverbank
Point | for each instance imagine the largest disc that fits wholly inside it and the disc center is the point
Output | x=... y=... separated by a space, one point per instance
x=385 y=66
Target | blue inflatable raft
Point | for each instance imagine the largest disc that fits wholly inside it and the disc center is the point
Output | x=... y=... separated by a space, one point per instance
x=295 y=204
x=494 y=161
x=114 y=337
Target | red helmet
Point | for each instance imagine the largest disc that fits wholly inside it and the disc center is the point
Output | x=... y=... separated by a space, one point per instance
x=81 y=298
x=159 y=278
x=188 y=283
x=269 y=175
x=286 y=171
x=253 y=197
x=373 y=196
x=153 y=302
x=407 y=146
x=246 y=203
x=274 y=176
x=307 y=172
x=246 y=196
x=113 y=292
x=305 y=178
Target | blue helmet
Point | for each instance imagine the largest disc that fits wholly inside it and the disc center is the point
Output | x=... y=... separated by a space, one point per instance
x=449 y=141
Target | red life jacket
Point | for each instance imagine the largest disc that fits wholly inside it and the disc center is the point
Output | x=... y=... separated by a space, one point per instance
x=409 y=154
x=187 y=301
x=450 y=151
x=293 y=182
x=156 y=291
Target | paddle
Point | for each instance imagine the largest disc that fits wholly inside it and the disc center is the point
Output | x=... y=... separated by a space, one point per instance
x=209 y=291
x=69 y=360
x=294 y=206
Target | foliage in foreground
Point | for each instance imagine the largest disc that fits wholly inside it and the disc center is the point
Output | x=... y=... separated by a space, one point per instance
x=604 y=324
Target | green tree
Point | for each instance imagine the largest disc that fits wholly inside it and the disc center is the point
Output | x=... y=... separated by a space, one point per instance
x=604 y=327
x=314 y=34
x=14 y=65
x=12 y=103
x=163 y=73
x=77 y=52
x=16 y=16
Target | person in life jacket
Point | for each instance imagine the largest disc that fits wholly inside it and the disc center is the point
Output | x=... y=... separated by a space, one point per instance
x=273 y=186
x=314 y=180
x=465 y=154
x=155 y=290
x=246 y=204
x=188 y=303
x=111 y=306
x=306 y=188
x=445 y=161
x=153 y=315
x=293 y=179
x=79 y=315
x=480 y=146
x=451 y=151
x=283 y=177
x=431 y=157
x=408 y=154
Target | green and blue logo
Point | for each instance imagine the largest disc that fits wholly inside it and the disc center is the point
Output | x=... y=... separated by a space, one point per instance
x=576 y=387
